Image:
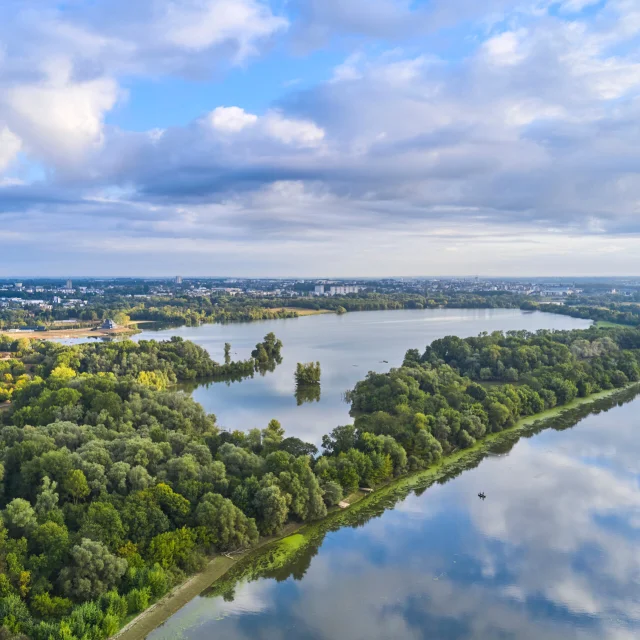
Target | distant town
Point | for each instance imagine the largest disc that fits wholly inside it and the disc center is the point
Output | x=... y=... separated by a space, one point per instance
x=48 y=294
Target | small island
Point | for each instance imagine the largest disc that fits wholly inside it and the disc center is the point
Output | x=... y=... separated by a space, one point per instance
x=308 y=373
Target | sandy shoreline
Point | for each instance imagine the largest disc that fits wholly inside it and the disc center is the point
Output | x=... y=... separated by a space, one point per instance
x=56 y=334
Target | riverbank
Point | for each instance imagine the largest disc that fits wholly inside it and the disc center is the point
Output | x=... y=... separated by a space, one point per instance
x=272 y=553
x=62 y=333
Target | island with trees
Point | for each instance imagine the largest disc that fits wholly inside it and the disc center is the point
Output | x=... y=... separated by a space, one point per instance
x=307 y=373
x=114 y=486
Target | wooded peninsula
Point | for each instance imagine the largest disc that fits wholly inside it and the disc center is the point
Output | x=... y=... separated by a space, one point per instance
x=115 y=486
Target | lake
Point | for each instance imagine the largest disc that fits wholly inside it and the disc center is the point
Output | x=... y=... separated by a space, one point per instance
x=552 y=553
x=346 y=346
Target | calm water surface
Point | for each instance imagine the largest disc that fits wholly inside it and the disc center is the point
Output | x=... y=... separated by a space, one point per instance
x=552 y=553
x=347 y=347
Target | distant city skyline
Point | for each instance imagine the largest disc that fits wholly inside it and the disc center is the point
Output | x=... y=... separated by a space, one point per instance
x=368 y=137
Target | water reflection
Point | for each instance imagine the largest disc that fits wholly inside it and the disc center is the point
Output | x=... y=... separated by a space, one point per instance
x=551 y=553
x=307 y=393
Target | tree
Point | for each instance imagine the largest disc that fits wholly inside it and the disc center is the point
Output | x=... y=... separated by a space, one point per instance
x=173 y=548
x=47 y=499
x=20 y=518
x=76 y=485
x=227 y=353
x=102 y=523
x=297 y=447
x=44 y=606
x=332 y=492
x=138 y=600
x=226 y=526
x=92 y=571
x=426 y=447
x=272 y=436
x=307 y=374
x=51 y=541
x=341 y=439
x=272 y=510
x=498 y=415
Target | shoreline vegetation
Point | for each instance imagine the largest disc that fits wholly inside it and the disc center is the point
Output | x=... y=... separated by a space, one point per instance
x=195 y=312
x=302 y=535
x=114 y=488
x=183 y=308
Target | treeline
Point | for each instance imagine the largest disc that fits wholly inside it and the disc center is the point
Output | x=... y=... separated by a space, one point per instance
x=391 y=301
x=625 y=314
x=222 y=308
x=460 y=389
x=153 y=364
x=113 y=488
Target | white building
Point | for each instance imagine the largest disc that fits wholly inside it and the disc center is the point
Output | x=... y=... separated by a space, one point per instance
x=343 y=290
x=319 y=290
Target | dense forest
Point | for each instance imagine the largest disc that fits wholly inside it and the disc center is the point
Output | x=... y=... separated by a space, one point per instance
x=115 y=487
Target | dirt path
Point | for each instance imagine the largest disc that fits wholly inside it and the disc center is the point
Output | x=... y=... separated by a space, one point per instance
x=143 y=624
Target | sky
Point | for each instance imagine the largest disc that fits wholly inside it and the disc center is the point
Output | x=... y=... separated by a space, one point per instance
x=319 y=137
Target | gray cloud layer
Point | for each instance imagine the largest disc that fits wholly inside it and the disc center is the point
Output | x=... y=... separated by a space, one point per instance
x=530 y=140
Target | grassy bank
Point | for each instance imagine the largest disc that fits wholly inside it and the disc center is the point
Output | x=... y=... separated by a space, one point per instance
x=605 y=324
x=301 y=311
x=296 y=545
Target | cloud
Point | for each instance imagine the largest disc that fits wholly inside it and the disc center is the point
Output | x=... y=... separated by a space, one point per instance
x=529 y=139
x=10 y=145
x=231 y=119
x=290 y=131
x=59 y=119
x=61 y=68
x=201 y=24
x=302 y=133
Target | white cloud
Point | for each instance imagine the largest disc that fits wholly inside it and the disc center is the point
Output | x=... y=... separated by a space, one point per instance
x=301 y=133
x=231 y=119
x=274 y=125
x=505 y=49
x=60 y=119
x=10 y=146
x=200 y=24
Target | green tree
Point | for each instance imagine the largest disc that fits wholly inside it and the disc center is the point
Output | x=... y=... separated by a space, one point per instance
x=20 y=518
x=47 y=500
x=226 y=526
x=76 y=485
x=92 y=571
x=272 y=436
x=332 y=492
x=102 y=523
x=271 y=508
